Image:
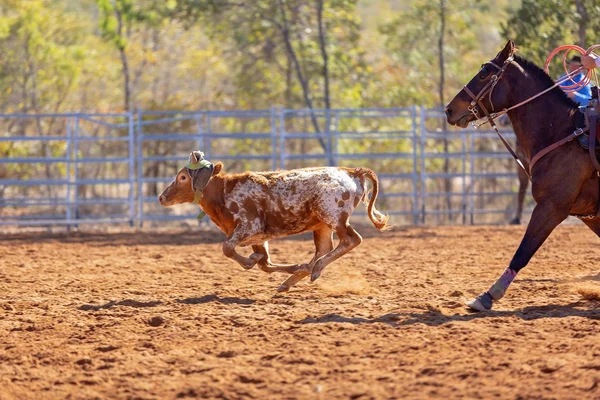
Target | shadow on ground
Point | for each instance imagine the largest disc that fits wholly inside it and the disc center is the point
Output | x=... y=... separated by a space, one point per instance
x=436 y=318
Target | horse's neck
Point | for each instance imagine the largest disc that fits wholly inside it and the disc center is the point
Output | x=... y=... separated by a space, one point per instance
x=541 y=122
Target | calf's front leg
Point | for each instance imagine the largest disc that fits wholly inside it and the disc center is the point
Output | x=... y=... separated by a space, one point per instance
x=239 y=235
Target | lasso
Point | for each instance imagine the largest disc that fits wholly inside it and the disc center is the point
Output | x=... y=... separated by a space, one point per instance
x=568 y=75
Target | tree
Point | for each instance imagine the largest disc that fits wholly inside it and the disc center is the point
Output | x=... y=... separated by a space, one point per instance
x=539 y=26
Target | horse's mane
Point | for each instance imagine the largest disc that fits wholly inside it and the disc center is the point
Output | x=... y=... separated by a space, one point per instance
x=544 y=78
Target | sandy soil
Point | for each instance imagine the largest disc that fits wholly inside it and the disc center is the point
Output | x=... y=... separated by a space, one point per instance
x=165 y=315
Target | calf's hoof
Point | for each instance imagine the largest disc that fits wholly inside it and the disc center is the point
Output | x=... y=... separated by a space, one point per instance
x=483 y=302
x=316 y=272
x=254 y=258
x=283 y=288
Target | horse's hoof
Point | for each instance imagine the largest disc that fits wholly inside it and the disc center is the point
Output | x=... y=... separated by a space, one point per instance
x=482 y=302
x=515 y=221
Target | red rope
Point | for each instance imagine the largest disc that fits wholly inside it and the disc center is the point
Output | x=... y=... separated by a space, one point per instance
x=588 y=74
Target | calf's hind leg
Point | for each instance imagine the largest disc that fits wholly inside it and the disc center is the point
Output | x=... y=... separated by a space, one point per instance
x=349 y=239
x=265 y=263
x=324 y=244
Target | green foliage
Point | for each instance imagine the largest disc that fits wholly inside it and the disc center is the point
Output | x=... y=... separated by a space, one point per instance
x=539 y=26
x=68 y=54
x=471 y=35
x=43 y=54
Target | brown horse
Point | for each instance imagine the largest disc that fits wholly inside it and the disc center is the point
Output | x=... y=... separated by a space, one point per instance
x=564 y=181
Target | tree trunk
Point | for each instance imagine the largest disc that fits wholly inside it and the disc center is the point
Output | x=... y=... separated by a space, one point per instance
x=447 y=180
x=123 y=56
x=303 y=82
x=323 y=53
x=583 y=22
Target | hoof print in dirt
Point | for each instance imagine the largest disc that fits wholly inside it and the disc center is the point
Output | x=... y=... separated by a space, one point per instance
x=156 y=321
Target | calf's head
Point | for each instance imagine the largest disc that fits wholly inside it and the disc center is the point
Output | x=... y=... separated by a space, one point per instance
x=190 y=181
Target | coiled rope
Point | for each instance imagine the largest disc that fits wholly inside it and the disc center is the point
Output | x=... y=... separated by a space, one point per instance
x=575 y=86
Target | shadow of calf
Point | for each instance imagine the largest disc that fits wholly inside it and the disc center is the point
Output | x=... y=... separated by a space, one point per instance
x=126 y=303
x=213 y=297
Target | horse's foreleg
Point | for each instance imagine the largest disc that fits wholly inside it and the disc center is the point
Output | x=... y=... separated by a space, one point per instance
x=544 y=219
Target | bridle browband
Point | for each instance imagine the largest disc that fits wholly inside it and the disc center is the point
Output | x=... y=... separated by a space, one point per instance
x=477 y=104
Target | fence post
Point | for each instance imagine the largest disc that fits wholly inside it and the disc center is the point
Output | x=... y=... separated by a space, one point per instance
x=415 y=147
x=273 y=138
x=423 y=192
x=69 y=177
x=336 y=131
x=330 y=160
x=471 y=172
x=131 y=151
x=140 y=165
x=208 y=139
x=200 y=129
x=76 y=169
x=282 y=138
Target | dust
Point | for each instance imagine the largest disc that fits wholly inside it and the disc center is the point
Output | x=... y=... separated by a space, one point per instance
x=589 y=292
x=341 y=280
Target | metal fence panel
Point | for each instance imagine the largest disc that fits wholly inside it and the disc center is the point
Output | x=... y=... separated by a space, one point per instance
x=243 y=140
x=467 y=174
x=69 y=169
x=384 y=140
x=66 y=169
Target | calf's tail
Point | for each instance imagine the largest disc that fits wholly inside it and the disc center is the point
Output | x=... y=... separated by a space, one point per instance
x=378 y=219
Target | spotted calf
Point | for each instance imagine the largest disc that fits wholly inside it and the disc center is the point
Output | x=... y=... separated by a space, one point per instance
x=252 y=208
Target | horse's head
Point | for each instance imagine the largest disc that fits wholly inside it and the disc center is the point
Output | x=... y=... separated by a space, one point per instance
x=487 y=92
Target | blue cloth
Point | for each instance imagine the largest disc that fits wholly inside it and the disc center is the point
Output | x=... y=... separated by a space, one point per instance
x=583 y=95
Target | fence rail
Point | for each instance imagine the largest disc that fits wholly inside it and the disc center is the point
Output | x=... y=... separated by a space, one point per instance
x=72 y=169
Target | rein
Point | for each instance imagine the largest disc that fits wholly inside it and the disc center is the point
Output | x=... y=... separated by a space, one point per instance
x=477 y=104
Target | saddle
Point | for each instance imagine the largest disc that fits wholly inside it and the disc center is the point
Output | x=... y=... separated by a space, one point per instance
x=592 y=122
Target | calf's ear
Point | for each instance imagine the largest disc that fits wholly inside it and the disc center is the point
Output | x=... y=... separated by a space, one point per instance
x=217 y=168
x=200 y=178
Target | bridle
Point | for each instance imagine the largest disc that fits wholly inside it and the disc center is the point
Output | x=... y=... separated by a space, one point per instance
x=476 y=104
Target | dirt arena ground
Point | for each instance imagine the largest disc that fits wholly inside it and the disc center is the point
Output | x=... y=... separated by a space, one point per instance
x=164 y=315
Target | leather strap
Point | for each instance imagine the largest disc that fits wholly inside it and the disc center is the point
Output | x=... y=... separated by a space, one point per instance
x=554 y=146
x=593 y=130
